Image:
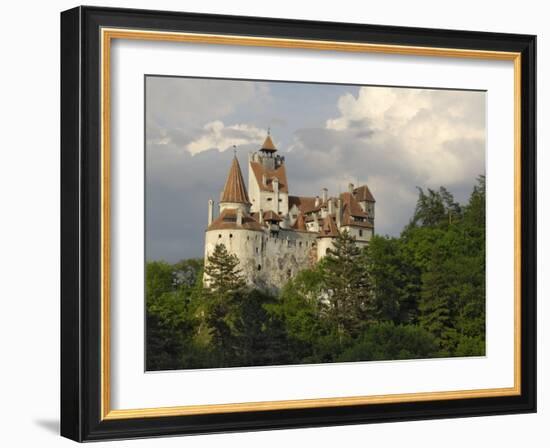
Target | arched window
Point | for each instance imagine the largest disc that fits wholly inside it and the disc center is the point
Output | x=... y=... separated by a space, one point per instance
x=220 y=235
x=230 y=235
x=259 y=267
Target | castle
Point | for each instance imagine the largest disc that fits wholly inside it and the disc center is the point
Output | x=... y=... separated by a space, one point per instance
x=274 y=234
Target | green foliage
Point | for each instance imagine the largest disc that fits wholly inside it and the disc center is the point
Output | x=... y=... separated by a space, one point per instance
x=394 y=280
x=346 y=283
x=223 y=301
x=387 y=341
x=170 y=322
x=420 y=295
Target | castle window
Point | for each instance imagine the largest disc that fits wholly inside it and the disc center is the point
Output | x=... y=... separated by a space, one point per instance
x=259 y=267
x=269 y=199
x=230 y=235
x=280 y=200
x=300 y=244
x=247 y=238
x=360 y=232
x=289 y=273
x=220 y=235
x=257 y=250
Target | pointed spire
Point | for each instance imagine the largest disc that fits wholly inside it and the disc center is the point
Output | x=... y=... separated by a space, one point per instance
x=234 y=189
x=268 y=143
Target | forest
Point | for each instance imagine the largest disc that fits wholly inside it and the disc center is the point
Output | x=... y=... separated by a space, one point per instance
x=418 y=295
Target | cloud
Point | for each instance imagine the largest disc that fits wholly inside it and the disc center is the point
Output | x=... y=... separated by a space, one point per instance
x=188 y=103
x=393 y=140
x=389 y=138
x=216 y=135
x=439 y=134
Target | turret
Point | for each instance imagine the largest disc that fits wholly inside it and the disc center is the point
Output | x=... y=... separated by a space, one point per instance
x=234 y=193
x=267 y=182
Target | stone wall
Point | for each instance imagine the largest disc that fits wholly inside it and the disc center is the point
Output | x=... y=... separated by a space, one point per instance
x=267 y=260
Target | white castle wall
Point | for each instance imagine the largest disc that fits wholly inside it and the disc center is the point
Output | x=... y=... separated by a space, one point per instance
x=362 y=235
x=266 y=260
x=323 y=245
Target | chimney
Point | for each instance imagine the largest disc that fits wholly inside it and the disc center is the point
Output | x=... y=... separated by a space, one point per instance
x=317 y=201
x=330 y=206
x=325 y=192
x=339 y=213
x=276 y=193
x=210 y=211
x=239 y=217
x=351 y=187
x=261 y=216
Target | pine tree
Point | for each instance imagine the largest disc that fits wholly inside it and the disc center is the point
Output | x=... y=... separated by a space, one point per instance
x=222 y=271
x=345 y=278
x=224 y=284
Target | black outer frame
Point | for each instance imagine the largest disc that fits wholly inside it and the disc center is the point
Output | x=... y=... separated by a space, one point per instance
x=80 y=223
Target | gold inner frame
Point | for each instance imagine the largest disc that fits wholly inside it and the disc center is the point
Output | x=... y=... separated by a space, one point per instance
x=107 y=35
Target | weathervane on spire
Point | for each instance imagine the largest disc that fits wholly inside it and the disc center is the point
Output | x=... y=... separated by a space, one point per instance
x=235 y=150
x=269 y=130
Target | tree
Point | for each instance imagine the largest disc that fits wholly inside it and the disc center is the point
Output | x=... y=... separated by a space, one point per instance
x=224 y=283
x=258 y=335
x=300 y=310
x=170 y=324
x=394 y=281
x=346 y=281
x=436 y=208
x=222 y=271
x=387 y=341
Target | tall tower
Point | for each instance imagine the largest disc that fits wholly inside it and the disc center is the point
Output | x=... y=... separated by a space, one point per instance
x=267 y=182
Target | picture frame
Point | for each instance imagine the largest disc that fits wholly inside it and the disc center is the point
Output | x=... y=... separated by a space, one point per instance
x=86 y=37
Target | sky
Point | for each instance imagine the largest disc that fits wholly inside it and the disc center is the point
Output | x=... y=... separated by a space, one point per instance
x=392 y=139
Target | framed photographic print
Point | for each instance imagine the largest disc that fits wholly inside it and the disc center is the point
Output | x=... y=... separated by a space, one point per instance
x=271 y=223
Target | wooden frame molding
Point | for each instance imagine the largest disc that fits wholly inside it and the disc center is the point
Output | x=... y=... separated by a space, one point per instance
x=108 y=35
x=87 y=35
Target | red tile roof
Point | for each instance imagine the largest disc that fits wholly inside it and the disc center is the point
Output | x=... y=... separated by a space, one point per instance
x=300 y=223
x=270 y=215
x=235 y=189
x=268 y=145
x=363 y=193
x=280 y=173
x=329 y=228
x=352 y=213
x=305 y=204
x=228 y=220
